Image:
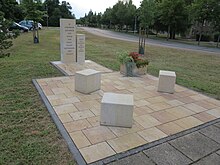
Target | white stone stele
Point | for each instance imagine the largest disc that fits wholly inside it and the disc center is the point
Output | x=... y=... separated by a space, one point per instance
x=87 y=81
x=117 y=110
x=68 y=40
x=167 y=80
x=80 y=48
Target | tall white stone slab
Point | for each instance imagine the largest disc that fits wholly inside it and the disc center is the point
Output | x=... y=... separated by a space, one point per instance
x=68 y=40
x=80 y=48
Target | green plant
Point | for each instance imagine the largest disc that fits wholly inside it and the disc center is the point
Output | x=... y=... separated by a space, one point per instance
x=142 y=63
x=135 y=57
x=5 y=36
x=123 y=57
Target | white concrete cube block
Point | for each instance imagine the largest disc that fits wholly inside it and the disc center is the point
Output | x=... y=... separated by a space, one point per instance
x=117 y=110
x=167 y=80
x=87 y=81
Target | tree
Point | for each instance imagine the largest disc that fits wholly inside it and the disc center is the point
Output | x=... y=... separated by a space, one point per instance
x=202 y=11
x=91 y=18
x=98 y=19
x=118 y=14
x=216 y=20
x=12 y=10
x=147 y=14
x=54 y=19
x=33 y=13
x=55 y=11
x=5 y=37
x=173 y=14
x=65 y=8
x=107 y=17
x=9 y=11
x=130 y=14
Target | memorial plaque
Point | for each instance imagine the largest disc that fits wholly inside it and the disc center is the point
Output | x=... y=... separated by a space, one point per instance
x=80 y=42
x=68 y=40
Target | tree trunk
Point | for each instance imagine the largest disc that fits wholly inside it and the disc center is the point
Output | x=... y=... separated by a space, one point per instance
x=173 y=34
x=147 y=32
x=33 y=33
x=218 y=41
x=200 y=36
x=168 y=32
x=38 y=35
x=139 y=40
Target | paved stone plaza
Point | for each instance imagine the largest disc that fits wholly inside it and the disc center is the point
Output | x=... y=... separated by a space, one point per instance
x=156 y=115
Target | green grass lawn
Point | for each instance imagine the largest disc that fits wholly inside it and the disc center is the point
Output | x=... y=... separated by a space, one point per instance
x=195 y=70
x=27 y=133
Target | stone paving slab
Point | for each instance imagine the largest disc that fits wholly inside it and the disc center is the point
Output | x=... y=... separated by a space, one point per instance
x=212 y=159
x=166 y=154
x=217 y=125
x=212 y=132
x=79 y=113
x=139 y=159
x=195 y=145
x=72 y=68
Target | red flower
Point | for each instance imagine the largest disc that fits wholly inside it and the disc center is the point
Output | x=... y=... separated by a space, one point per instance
x=135 y=56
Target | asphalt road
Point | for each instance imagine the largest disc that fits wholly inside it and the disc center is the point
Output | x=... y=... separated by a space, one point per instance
x=131 y=38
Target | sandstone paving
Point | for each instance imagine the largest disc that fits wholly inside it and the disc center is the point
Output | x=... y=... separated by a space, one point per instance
x=156 y=115
x=71 y=68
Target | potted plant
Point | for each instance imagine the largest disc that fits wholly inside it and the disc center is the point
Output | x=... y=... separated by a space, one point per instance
x=140 y=62
x=132 y=64
x=125 y=61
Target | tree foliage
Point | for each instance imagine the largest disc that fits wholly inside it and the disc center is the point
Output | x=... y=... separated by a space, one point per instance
x=170 y=16
x=56 y=10
x=216 y=20
x=202 y=12
x=9 y=11
x=173 y=14
x=12 y=10
x=147 y=13
x=5 y=37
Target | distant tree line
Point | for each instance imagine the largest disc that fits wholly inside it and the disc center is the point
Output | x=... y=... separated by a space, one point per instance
x=48 y=13
x=52 y=9
x=170 y=16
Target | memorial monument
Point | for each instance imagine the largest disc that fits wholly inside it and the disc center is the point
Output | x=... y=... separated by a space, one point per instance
x=72 y=46
x=68 y=40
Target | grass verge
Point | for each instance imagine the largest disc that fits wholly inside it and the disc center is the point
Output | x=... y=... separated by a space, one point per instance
x=27 y=133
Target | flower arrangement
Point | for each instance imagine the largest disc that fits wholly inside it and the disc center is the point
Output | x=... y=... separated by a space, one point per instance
x=132 y=64
x=139 y=60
